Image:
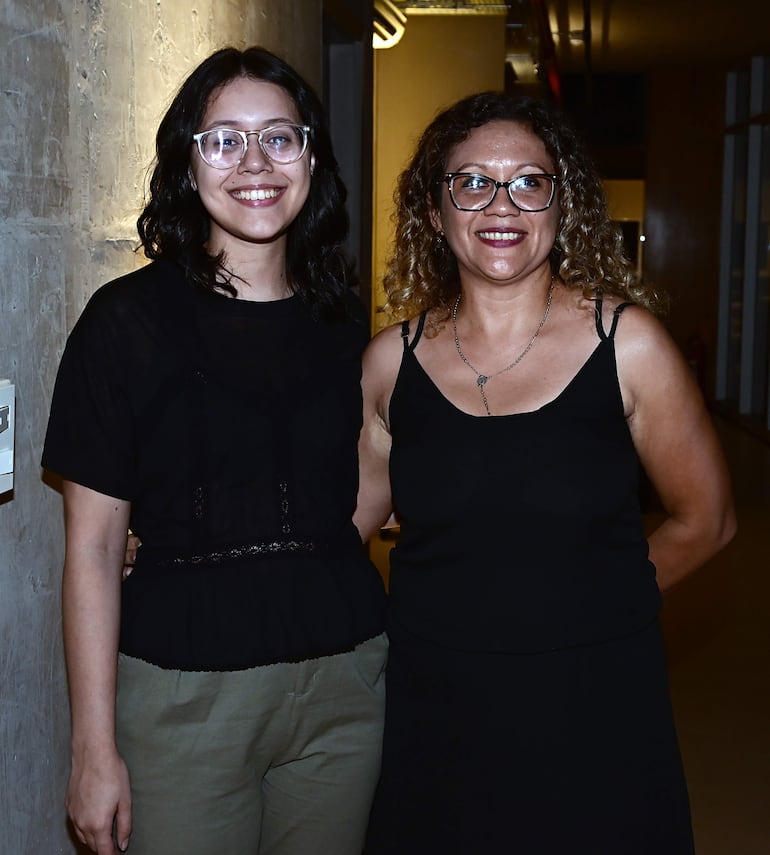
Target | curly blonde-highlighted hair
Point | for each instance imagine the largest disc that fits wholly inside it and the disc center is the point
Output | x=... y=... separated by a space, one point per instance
x=587 y=253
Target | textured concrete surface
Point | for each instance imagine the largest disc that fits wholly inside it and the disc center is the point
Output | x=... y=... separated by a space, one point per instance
x=82 y=86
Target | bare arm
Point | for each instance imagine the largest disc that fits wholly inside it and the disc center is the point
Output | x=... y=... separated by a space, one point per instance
x=98 y=794
x=380 y=368
x=677 y=444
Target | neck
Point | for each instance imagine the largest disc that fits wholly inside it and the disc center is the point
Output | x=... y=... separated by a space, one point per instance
x=482 y=378
x=261 y=275
x=261 y=287
x=504 y=312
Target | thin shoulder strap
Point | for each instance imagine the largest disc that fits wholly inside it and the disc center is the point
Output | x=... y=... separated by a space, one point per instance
x=615 y=318
x=418 y=332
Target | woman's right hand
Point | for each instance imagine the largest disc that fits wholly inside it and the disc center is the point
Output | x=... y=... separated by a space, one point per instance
x=99 y=802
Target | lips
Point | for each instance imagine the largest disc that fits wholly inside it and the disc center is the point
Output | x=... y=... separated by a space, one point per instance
x=256 y=195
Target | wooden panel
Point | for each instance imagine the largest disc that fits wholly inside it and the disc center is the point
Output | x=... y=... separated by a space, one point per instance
x=683 y=203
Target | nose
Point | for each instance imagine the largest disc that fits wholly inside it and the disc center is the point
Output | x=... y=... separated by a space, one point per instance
x=502 y=201
x=254 y=159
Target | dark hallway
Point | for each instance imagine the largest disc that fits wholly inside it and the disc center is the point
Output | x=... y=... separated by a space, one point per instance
x=717 y=628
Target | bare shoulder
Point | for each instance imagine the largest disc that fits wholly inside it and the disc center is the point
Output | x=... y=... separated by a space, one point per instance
x=650 y=364
x=381 y=363
x=640 y=334
x=387 y=337
x=383 y=353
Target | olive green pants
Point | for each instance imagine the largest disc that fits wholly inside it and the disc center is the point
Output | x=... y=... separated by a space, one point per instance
x=275 y=760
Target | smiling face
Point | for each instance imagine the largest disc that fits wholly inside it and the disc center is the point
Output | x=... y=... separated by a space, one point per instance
x=256 y=201
x=499 y=244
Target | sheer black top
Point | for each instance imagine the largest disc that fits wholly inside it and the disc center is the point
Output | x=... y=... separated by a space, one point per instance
x=231 y=426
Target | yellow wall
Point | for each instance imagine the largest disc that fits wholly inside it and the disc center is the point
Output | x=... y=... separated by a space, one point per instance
x=625 y=199
x=440 y=59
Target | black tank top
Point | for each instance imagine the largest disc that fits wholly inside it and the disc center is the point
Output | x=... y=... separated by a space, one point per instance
x=518 y=532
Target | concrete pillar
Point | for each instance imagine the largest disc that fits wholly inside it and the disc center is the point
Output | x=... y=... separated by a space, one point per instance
x=83 y=84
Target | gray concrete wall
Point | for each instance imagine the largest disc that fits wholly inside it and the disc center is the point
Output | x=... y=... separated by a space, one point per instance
x=82 y=86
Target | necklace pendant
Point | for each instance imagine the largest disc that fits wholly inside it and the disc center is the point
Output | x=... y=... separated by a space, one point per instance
x=481 y=379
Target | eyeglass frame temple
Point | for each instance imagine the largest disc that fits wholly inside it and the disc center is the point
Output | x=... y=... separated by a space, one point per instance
x=449 y=177
x=305 y=129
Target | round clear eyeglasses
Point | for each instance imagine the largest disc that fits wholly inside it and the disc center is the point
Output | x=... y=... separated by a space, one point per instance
x=224 y=148
x=470 y=191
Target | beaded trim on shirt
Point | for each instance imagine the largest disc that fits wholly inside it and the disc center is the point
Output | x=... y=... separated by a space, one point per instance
x=253 y=549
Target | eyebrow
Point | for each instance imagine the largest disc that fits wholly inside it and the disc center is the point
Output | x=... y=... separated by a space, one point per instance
x=480 y=169
x=233 y=123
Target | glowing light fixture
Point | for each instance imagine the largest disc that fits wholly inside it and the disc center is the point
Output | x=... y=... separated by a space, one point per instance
x=389 y=25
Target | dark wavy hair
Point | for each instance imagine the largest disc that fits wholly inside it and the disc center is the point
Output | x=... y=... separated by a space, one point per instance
x=588 y=252
x=175 y=225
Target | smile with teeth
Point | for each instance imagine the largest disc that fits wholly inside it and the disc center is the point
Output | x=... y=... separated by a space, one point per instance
x=500 y=235
x=256 y=195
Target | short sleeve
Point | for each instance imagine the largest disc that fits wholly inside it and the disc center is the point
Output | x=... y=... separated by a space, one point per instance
x=90 y=431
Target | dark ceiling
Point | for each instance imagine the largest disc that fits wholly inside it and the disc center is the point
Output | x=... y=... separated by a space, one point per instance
x=629 y=36
x=635 y=35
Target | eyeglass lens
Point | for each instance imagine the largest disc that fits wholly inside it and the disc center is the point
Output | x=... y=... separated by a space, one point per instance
x=224 y=147
x=528 y=192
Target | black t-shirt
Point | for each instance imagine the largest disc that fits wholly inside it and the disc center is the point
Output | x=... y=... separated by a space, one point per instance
x=231 y=427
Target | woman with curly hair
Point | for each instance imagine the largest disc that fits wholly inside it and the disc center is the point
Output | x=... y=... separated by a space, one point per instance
x=506 y=419
x=228 y=697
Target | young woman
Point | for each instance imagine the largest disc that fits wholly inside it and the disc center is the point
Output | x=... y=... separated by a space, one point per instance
x=228 y=697
x=528 y=709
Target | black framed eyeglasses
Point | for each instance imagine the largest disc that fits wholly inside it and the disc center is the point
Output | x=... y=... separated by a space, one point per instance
x=470 y=191
x=224 y=148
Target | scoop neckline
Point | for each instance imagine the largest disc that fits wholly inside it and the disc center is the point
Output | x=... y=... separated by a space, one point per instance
x=503 y=416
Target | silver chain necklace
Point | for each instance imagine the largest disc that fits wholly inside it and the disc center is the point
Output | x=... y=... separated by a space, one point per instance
x=483 y=379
